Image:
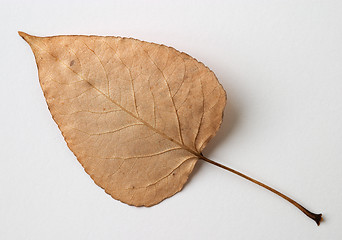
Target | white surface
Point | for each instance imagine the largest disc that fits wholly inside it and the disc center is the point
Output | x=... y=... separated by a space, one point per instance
x=281 y=64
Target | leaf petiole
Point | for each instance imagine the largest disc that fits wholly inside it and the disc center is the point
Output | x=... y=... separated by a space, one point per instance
x=316 y=217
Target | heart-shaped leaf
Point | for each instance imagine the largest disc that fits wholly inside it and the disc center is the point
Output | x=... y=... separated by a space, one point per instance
x=136 y=114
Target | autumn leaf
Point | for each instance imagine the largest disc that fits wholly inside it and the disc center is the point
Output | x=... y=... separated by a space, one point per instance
x=137 y=115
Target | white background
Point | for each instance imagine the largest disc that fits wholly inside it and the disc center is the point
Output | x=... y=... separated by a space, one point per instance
x=281 y=65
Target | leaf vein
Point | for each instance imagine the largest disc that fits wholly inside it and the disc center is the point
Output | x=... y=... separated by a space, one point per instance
x=169 y=90
x=109 y=132
x=160 y=179
x=141 y=156
x=104 y=70
x=129 y=72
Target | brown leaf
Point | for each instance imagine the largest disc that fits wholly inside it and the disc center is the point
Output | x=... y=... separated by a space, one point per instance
x=137 y=115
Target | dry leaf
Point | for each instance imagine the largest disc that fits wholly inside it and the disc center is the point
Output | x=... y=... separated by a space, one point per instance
x=137 y=115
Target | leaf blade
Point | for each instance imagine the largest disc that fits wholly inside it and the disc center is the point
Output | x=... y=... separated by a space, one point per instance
x=157 y=101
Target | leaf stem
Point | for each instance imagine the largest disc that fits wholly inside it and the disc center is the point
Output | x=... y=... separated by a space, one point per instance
x=316 y=217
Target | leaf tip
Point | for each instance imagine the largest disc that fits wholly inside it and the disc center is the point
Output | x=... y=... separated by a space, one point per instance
x=25 y=36
x=22 y=34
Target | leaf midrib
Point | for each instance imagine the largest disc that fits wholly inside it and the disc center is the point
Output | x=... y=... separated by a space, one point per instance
x=124 y=109
x=145 y=123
